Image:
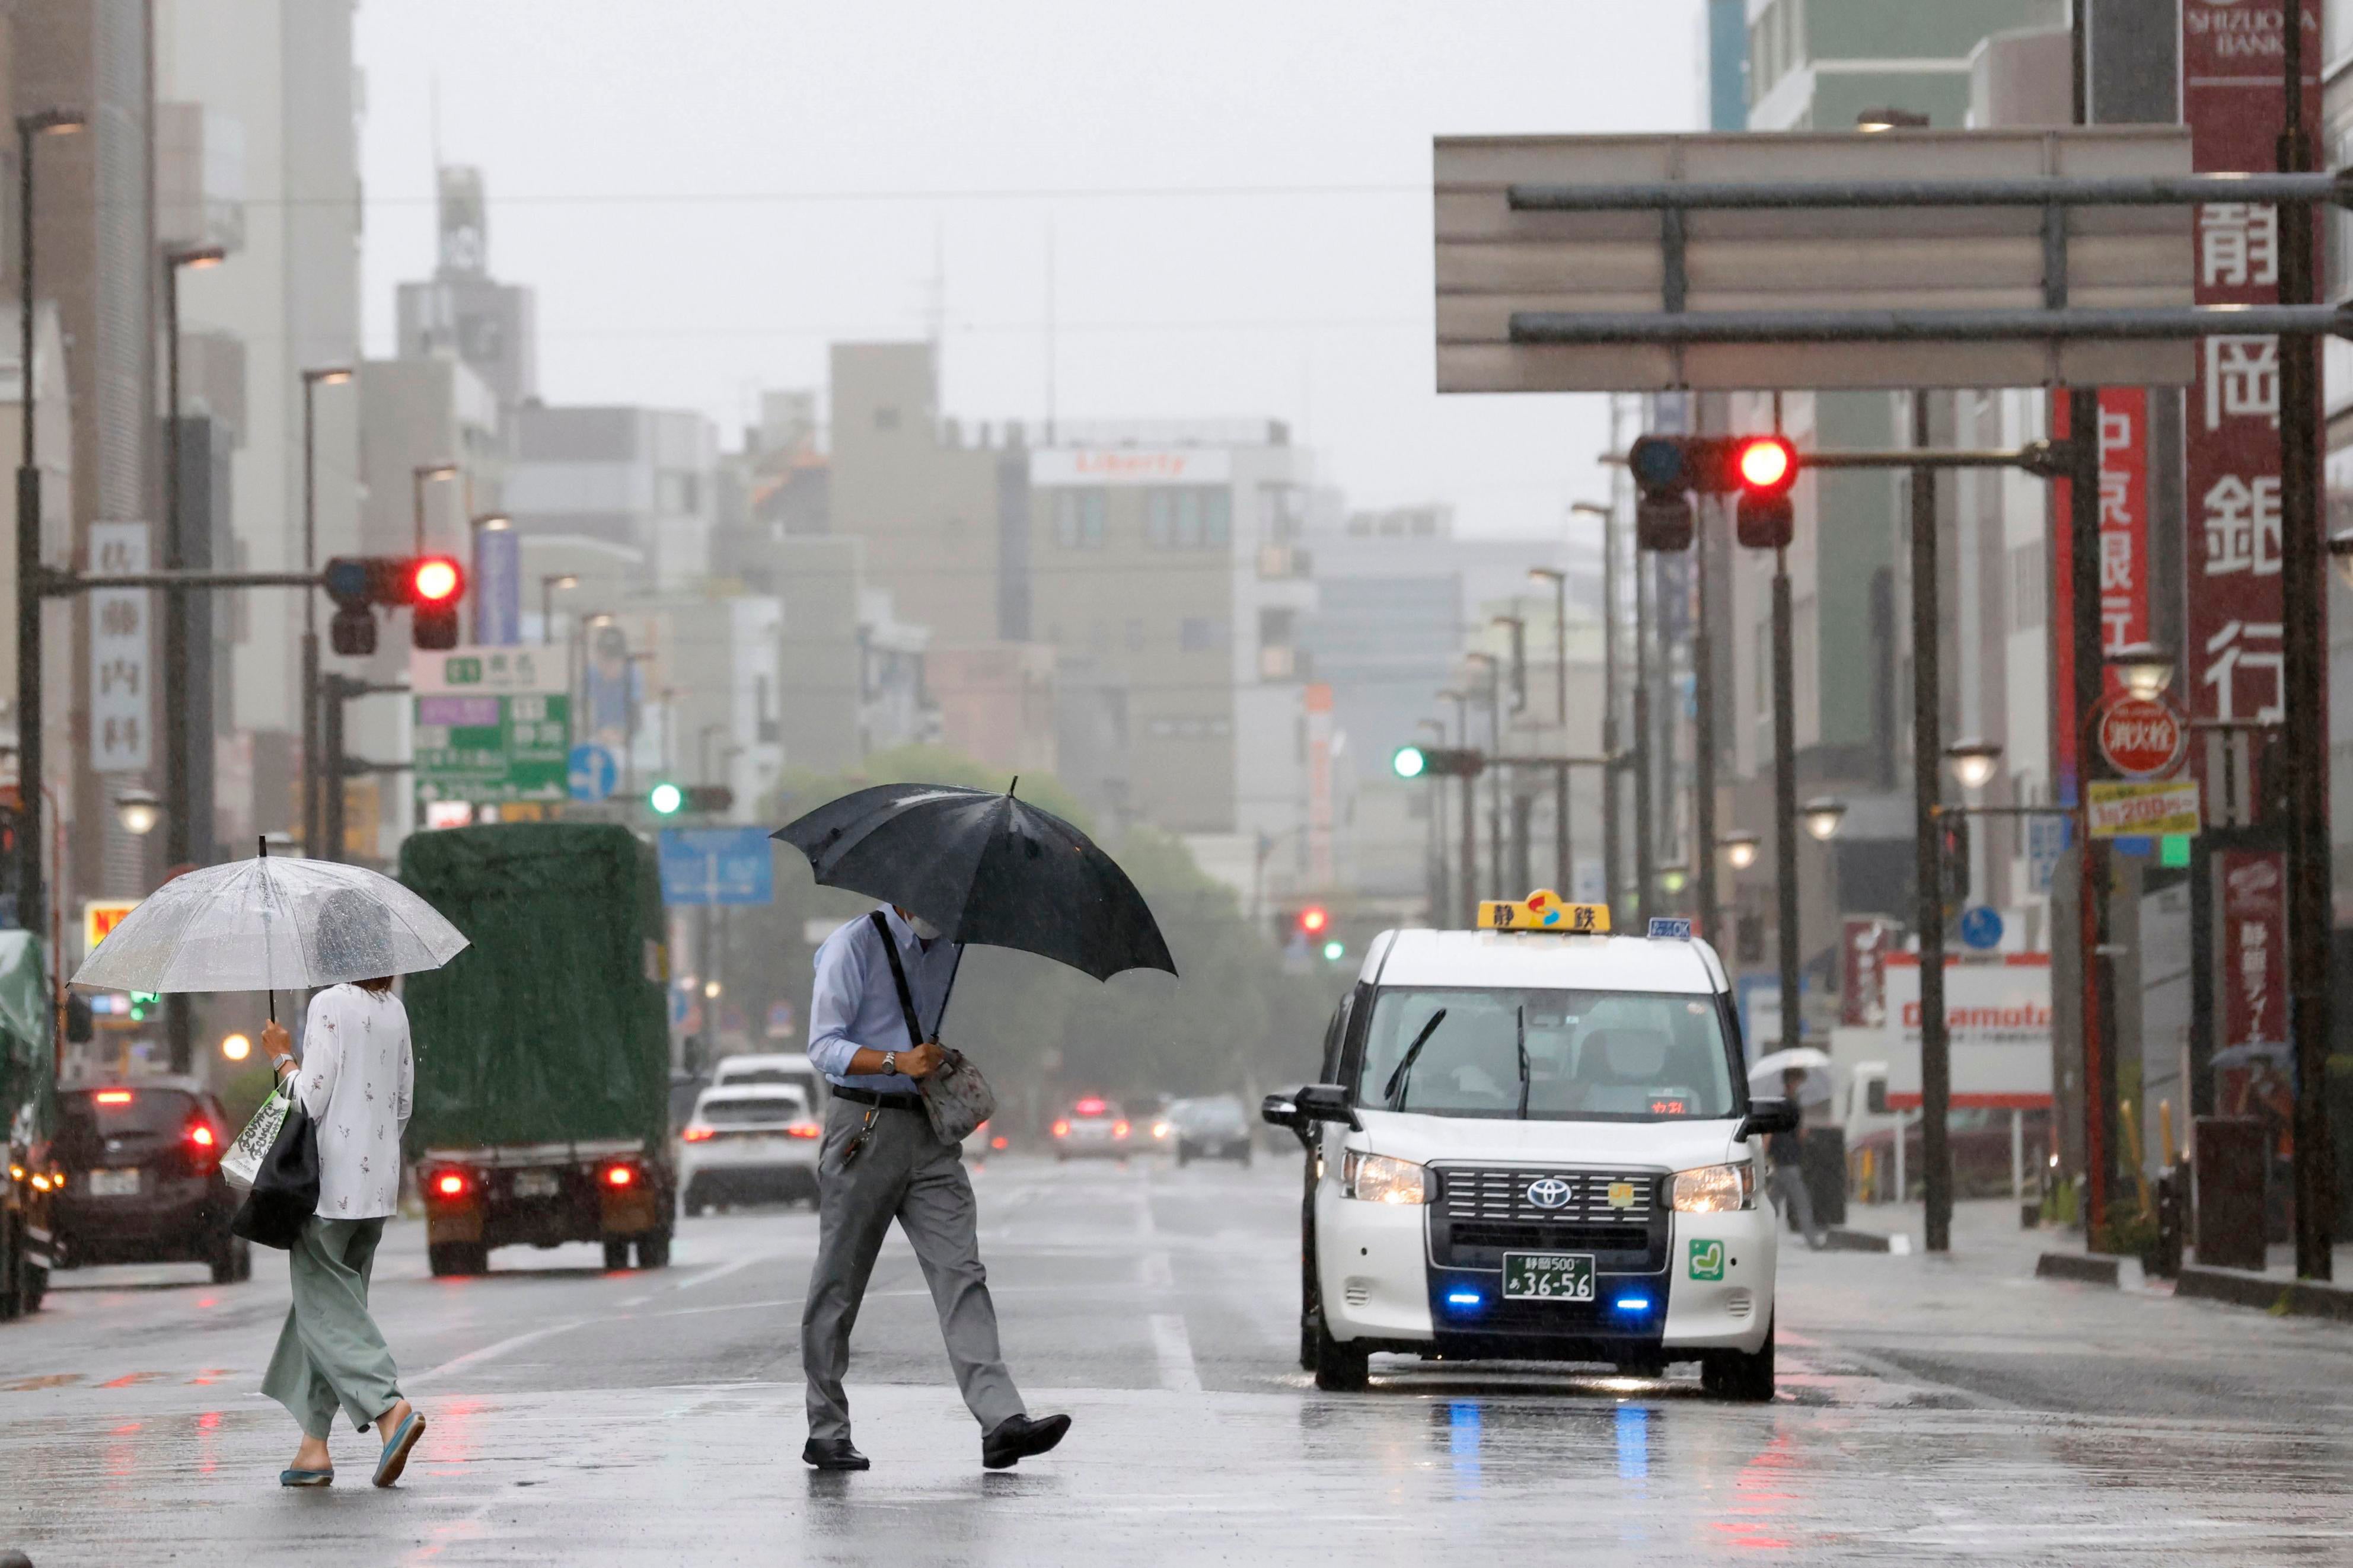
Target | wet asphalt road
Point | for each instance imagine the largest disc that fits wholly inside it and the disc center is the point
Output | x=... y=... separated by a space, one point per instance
x=1930 y=1410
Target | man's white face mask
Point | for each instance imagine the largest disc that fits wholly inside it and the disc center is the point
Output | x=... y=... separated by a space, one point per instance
x=923 y=928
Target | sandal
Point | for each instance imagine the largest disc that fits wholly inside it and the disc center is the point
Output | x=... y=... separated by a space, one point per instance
x=396 y=1452
x=306 y=1478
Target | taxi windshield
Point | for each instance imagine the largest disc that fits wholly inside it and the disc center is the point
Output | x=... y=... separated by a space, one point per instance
x=1602 y=1056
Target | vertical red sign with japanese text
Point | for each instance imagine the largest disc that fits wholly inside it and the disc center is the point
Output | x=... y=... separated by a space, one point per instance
x=2253 y=950
x=2233 y=98
x=2124 y=544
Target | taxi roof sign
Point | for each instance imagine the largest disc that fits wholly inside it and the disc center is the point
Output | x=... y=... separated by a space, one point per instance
x=1543 y=911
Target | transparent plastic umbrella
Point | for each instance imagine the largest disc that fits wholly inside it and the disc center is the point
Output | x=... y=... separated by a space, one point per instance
x=271 y=923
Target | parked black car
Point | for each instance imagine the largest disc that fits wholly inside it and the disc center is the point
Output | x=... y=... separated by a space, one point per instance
x=139 y=1179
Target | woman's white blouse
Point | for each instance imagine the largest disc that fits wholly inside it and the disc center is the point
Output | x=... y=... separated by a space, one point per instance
x=358 y=1082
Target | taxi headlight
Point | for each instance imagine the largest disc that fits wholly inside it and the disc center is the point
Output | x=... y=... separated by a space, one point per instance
x=1379 y=1179
x=1715 y=1189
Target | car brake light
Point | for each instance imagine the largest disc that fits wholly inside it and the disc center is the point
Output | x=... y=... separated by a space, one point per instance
x=113 y=1097
x=621 y=1176
x=201 y=1136
x=804 y=1130
x=699 y=1134
x=1061 y=1130
x=1089 y=1107
x=1119 y=1129
x=1000 y=1141
x=449 y=1185
x=1160 y=1130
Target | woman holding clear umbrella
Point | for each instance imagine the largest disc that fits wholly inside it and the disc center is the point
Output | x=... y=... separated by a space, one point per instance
x=279 y=924
x=356 y=1082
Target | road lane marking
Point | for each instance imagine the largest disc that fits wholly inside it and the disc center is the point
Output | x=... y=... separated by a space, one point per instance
x=493 y=1352
x=723 y=1269
x=1173 y=1347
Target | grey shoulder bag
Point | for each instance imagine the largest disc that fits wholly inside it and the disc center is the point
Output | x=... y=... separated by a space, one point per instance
x=956 y=1098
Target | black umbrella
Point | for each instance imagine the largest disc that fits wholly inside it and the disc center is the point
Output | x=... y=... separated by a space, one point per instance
x=985 y=867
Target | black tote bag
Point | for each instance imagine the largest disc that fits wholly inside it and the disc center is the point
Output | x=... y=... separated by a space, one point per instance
x=285 y=1192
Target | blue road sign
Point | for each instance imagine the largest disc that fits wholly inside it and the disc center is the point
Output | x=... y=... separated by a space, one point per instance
x=593 y=773
x=1981 y=927
x=717 y=866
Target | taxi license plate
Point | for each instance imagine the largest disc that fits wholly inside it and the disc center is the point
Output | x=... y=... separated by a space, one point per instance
x=1549 y=1277
x=535 y=1184
x=114 y=1183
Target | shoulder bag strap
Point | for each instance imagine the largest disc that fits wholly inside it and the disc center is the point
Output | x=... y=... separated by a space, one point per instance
x=899 y=976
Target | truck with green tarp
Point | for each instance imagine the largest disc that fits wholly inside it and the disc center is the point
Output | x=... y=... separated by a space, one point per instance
x=27 y=1112
x=543 y=1050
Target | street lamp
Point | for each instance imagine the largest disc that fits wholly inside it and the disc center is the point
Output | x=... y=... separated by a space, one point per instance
x=138 y=812
x=1739 y=849
x=2145 y=669
x=324 y=376
x=548 y=585
x=418 y=475
x=1973 y=762
x=31 y=897
x=1822 y=818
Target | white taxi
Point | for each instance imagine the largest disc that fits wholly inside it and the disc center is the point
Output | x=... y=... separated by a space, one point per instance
x=1535 y=1142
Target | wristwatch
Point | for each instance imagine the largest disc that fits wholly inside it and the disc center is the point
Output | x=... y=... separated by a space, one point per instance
x=890 y=1064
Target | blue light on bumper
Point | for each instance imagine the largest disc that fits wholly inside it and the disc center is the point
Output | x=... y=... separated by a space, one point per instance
x=1634 y=1303
x=1464 y=1298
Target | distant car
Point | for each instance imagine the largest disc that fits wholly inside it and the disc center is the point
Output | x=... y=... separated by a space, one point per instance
x=749 y=1143
x=789 y=1067
x=1093 y=1126
x=1980 y=1142
x=1214 y=1127
x=139 y=1175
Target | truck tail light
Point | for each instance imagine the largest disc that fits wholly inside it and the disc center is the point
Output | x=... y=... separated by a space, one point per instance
x=620 y=1177
x=451 y=1184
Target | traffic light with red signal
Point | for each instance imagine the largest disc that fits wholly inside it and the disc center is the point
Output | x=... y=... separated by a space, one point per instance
x=1669 y=470
x=1313 y=920
x=432 y=586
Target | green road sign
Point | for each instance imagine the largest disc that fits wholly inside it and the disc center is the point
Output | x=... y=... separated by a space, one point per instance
x=492 y=724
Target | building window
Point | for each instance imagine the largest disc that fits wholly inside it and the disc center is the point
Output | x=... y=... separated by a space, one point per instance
x=1200 y=633
x=1195 y=517
x=1079 y=519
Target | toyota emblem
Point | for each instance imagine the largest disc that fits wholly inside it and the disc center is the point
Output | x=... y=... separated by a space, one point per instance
x=1549 y=1192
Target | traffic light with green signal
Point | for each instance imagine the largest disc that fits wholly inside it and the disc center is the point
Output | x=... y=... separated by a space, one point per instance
x=1436 y=763
x=668 y=799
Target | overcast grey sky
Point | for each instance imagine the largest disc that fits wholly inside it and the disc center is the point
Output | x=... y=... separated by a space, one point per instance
x=705 y=193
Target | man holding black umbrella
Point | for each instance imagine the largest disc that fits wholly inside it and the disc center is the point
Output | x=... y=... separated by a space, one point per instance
x=881 y=1161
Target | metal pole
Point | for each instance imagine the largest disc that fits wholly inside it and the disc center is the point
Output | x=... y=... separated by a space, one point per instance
x=30 y=893
x=179 y=828
x=2028 y=191
x=1470 y=851
x=1645 y=840
x=310 y=774
x=2100 y=1147
x=333 y=691
x=2023 y=324
x=1928 y=759
x=1787 y=946
x=1564 y=851
x=1702 y=654
x=2305 y=631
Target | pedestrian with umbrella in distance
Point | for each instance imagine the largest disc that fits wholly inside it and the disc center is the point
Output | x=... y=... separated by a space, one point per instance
x=953 y=865
x=288 y=924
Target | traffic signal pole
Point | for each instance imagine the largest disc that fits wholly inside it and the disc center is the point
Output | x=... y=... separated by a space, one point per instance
x=1927 y=769
x=1703 y=653
x=1786 y=944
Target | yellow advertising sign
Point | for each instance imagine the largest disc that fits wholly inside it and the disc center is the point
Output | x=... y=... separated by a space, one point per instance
x=2143 y=809
x=100 y=916
x=1543 y=911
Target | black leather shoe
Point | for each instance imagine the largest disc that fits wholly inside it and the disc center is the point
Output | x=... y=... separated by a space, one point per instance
x=1018 y=1438
x=832 y=1454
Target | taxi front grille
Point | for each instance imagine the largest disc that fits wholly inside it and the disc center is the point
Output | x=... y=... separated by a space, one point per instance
x=1547 y=1197
x=1479 y=1213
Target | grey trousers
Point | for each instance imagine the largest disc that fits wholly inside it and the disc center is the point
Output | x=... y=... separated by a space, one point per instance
x=330 y=1354
x=906 y=1173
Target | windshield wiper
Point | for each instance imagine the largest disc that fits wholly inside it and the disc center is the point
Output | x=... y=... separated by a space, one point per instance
x=1520 y=1043
x=1394 y=1092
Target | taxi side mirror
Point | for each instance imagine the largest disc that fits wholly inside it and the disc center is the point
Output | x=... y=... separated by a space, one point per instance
x=1325 y=1102
x=1278 y=1110
x=1769 y=1115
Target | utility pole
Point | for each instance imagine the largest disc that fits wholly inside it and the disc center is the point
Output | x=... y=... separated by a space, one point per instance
x=2303 y=640
x=1646 y=847
x=1927 y=763
x=1702 y=654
